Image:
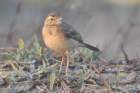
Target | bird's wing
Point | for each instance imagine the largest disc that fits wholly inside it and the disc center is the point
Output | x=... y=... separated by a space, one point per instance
x=70 y=32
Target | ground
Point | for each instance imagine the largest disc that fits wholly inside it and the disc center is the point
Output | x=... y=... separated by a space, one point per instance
x=27 y=71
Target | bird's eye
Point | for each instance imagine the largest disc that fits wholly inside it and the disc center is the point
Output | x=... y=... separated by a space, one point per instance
x=51 y=19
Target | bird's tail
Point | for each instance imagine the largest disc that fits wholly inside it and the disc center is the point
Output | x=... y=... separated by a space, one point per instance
x=90 y=47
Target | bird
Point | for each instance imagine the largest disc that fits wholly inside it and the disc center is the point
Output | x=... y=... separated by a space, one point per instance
x=60 y=36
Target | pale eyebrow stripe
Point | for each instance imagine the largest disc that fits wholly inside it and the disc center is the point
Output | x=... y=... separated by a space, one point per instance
x=49 y=17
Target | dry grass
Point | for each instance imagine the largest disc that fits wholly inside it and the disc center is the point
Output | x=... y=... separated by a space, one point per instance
x=34 y=70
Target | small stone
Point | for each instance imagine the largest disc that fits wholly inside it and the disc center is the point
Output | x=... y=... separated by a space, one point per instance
x=2 y=81
x=131 y=77
x=22 y=86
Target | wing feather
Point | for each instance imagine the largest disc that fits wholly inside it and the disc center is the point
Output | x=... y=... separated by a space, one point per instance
x=70 y=32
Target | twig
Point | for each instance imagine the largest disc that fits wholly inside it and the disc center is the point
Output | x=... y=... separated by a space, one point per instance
x=8 y=49
x=107 y=85
x=13 y=23
x=125 y=54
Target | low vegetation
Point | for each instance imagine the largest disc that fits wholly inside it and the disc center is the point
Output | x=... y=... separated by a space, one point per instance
x=36 y=70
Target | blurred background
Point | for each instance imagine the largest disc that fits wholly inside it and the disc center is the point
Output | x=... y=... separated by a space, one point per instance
x=111 y=25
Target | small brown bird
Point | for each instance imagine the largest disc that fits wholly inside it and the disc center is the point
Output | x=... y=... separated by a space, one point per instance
x=60 y=37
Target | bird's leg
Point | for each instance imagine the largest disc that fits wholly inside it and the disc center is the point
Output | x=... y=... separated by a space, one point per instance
x=68 y=61
x=62 y=61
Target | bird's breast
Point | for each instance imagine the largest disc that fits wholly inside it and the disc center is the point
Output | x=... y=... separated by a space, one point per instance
x=55 y=39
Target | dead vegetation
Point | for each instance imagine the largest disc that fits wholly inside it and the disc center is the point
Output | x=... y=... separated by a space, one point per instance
x=34 y=70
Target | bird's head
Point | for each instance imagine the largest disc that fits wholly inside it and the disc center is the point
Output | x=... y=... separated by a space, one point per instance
x=53 y=19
